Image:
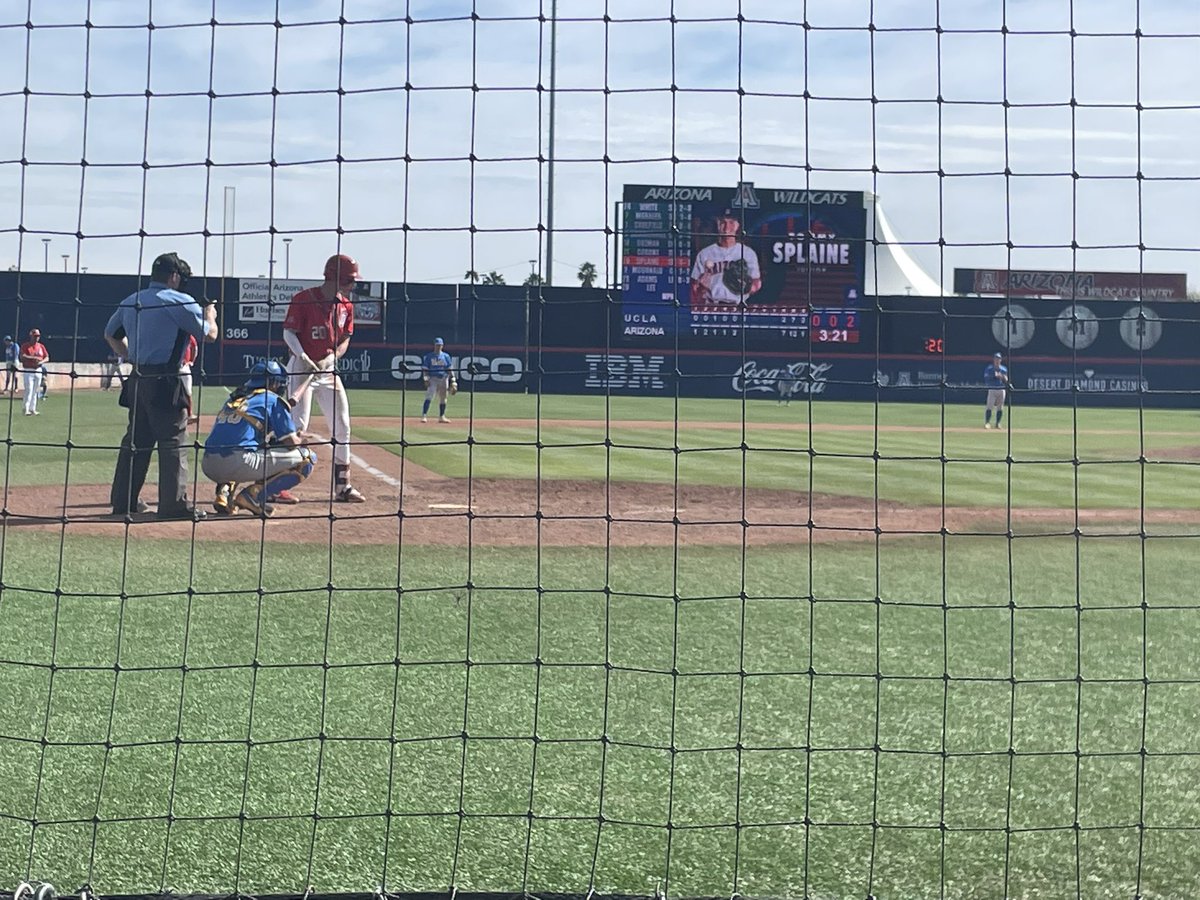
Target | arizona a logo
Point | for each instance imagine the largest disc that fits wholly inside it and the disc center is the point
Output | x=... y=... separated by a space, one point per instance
x=745 y=197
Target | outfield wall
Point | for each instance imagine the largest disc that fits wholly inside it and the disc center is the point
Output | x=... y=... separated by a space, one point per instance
x=580 y=341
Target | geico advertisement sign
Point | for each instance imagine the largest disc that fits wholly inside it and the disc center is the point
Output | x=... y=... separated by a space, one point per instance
x=507 y=369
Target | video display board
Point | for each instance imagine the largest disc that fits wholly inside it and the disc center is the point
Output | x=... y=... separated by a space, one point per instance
x=712 y=265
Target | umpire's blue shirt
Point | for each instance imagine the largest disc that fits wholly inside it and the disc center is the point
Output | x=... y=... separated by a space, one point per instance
x=152 y=320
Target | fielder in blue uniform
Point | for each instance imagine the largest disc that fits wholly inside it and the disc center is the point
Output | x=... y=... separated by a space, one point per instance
x=254 y=440
x=995 y=379
x=439 y=379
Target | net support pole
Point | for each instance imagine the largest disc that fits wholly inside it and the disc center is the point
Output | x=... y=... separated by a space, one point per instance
x=549 y=267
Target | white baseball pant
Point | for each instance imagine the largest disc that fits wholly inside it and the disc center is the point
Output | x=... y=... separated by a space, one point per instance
x=995 y=399
x=331 y=397
x=251 y=465
x=33 y=384
x=439 y=386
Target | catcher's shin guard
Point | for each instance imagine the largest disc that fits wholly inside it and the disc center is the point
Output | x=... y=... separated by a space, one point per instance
x=291 y=477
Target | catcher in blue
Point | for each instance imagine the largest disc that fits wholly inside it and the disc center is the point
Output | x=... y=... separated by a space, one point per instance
x=995 y=379
x=439 y=379
x=254 y=442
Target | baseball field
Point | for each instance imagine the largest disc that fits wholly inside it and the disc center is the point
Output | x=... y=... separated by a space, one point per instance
x=700 y=647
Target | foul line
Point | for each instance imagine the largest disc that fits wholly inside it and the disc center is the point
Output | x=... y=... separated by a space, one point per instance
x=370 y=469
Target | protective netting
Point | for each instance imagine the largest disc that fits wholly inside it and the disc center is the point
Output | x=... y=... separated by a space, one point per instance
x=714 y=584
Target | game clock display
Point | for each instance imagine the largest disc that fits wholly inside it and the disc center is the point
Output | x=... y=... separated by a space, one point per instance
x=934 y=345
x=834 y=326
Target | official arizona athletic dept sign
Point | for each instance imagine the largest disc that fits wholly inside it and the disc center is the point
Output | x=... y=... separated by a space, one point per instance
x=1071 y=285
x=710 y=263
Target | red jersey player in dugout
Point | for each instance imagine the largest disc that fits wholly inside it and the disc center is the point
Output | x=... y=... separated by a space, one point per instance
x=317 y=331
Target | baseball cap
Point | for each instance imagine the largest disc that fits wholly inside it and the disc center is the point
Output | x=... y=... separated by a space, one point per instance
x=438 y=341
x=169 y=263
x=8 y=337
x=997 y=355
x=727 y=213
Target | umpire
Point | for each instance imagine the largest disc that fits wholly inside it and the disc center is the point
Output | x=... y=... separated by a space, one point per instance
x=150 y=329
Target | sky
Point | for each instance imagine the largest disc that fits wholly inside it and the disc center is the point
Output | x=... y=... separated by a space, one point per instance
x=451 y=174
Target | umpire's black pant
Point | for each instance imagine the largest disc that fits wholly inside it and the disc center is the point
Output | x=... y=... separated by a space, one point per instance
x=157 y=417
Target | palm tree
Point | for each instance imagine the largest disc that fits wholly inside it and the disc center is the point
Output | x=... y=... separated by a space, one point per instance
x=493 y=277
x=533 y=279
x=472 y=276
x=587 y=274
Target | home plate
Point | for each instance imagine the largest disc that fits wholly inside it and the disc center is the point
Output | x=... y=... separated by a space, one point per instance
x=448 y=506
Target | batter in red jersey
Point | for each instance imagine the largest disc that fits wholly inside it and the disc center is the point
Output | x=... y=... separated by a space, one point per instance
x=317 y=331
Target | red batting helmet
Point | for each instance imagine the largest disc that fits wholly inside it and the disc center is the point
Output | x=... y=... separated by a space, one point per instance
x=341 y=268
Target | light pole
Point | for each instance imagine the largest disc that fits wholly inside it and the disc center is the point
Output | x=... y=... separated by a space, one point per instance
x=228 y=225
x=551 y=149
x=46 y=254
x=65 y=257
x=287 y=257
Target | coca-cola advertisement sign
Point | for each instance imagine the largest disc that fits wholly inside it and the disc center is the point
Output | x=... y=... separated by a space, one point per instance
x=785 y=380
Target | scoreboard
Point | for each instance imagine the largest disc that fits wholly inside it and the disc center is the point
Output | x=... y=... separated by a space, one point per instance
x=723 y=266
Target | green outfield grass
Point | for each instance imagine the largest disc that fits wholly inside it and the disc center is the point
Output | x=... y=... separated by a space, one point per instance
x=162 y=702
x=1052 y=457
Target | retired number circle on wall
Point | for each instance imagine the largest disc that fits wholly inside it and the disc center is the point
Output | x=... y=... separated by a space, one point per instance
x=1077 y=327
x=1012 y=326
x=1141 y=327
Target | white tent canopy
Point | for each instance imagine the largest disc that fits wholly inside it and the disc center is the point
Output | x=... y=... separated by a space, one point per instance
x=891 y=270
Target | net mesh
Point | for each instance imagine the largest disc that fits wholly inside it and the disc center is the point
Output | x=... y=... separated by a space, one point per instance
x=579 y=641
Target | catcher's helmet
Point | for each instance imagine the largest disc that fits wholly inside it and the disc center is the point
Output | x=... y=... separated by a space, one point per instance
x=267 y=374
x=342 y=269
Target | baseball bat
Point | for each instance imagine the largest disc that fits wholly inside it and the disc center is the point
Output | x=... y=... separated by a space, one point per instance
x=308 y=380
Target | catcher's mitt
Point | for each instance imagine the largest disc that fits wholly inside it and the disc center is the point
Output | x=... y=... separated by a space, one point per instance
x=737 y=277
x=453 y=388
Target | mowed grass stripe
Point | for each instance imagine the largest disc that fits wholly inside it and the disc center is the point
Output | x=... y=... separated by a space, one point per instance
x=1057 y=458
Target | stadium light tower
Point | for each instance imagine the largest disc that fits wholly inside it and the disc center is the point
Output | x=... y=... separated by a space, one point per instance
x=287 y=257
x=46 y=254
x=65 y=256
